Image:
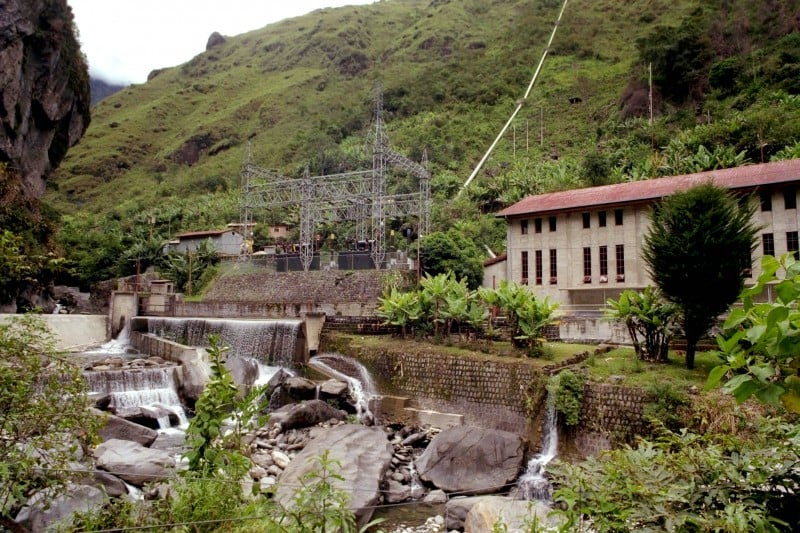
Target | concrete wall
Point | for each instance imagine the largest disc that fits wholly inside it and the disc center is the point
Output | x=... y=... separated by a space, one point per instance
x=124 y=306
x=74 y=333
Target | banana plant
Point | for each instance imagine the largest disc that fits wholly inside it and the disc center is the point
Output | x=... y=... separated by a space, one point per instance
x=650 y=321
x=400 y=309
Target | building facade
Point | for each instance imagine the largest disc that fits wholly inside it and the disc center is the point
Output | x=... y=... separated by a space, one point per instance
x=583 y=246
x=225 y=242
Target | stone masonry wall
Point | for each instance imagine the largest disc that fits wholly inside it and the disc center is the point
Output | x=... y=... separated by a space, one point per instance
x=609 y=415
x=492 y=394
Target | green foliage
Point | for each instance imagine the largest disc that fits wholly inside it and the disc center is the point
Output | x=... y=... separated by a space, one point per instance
x=696 y=249
x=760 y=341
x=399 y=308
x=527 y=315
x=446 y=252
x=188 y=270
x=209 y=448
x=441 y=301
x=649 y=319
x=679 y=57
x=665 y=409
x=43 y=414
x=14 y=268
x=686 y=482
x=566 y=393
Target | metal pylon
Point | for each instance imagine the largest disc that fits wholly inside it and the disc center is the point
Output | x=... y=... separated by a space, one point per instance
x=307 y=222
x=379 y=149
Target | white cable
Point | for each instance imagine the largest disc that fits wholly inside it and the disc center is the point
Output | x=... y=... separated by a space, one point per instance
x=519 y=103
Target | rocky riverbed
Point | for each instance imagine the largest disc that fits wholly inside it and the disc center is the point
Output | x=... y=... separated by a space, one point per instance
x=421 y=478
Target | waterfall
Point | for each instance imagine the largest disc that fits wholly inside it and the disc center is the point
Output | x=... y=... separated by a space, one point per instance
x=533 y=484
x=362 y=387
x=271 y=342
x=118 y=346
x=152 y=390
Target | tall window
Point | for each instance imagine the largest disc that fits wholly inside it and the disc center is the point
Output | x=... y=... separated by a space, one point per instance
x=587 y=265
x=603 y=264
x=552 y=222
x=618 y=217
x=523 y=227
x=537 y=225
x=524 y=259
x=790 y=198
x=768 y=242
x=586 y=220
x=601 y=219
x=553 y=267
x=620 y=262
x=538 y=266
x=791 y=243
x=766 y=200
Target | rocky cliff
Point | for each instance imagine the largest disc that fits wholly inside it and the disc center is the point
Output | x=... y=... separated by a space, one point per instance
x=44 y=93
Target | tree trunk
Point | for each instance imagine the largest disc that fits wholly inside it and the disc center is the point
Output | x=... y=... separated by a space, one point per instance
x=691 y=347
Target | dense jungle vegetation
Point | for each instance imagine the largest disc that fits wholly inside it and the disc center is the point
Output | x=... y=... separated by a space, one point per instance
x=164 y=156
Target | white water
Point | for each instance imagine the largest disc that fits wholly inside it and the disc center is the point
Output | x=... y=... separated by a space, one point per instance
x=153 y=389
x=269 y=341
x=362 y=387
x=118 y=346
x=533 y=484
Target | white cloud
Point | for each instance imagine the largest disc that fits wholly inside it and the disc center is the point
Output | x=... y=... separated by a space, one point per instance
x=126 y=39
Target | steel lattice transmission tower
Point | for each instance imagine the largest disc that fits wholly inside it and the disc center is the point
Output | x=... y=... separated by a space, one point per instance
x=359 y=197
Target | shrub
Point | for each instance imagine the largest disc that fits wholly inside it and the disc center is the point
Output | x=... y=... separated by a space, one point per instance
x=566 y=390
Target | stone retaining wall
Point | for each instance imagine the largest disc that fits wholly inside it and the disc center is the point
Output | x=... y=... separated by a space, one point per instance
x=494 y=394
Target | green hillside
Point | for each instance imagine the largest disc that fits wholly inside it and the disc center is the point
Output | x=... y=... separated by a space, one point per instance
x=165 y=155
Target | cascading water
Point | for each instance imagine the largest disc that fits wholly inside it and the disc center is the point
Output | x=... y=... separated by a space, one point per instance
x=269 y=341
x=533 y=484
x=147 y=388
x=362 y=387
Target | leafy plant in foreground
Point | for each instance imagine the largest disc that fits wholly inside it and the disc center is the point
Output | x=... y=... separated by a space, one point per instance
x=44 y=416
x=760 y=341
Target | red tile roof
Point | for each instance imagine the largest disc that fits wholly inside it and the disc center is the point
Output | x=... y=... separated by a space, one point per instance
x=494 y=260
x=746 y=177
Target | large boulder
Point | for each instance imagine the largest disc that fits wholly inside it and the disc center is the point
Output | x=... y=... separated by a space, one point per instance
x=134 y=463
x=456 y=510
x=471 y=460
x=516 y=515
x=119 y=428
x=306 y=414
x=43 y=511
x=363 y=454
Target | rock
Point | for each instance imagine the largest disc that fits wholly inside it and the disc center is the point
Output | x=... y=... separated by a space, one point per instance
x=134 y=463
x=456 y=510
x=300 y=415
x=435 y=496
x=111 y=485
x=333 y=388
x=517 y=515
x=396 y=492
x=471 y=460
x=195 y=374
x=215 y=39
x=300 y=388
x=119 y=428
x=280 y=459
x=43 y=511
x=414 y=438
x=363 y=454
x=244 y=371
x=46 y=94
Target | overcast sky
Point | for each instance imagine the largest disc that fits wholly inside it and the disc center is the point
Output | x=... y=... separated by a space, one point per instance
x=125 y=39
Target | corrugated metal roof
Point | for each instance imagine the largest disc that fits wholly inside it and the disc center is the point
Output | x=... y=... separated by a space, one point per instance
x=205 y=233
x=746 y=177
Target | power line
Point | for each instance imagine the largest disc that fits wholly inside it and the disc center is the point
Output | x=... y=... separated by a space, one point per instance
x=519 y=102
